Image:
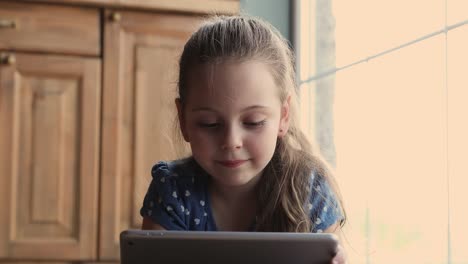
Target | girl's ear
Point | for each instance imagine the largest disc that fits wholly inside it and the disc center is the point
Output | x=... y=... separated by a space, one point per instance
x=180 y=115
x=284 y=121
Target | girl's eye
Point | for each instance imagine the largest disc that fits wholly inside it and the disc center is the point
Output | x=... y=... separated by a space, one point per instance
x=255 y=124
x=208 y=125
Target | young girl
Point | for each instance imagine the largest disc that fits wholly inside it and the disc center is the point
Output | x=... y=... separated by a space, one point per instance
x=251 y=167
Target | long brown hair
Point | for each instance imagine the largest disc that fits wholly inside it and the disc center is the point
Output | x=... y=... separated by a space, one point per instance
x=284 y=188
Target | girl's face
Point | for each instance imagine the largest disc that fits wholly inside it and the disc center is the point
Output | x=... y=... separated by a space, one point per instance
x=232 y=118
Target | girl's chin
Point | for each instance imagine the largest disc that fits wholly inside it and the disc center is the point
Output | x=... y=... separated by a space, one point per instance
x=235 y=181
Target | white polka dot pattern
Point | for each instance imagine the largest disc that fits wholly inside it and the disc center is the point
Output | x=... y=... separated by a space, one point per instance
x=174 y=190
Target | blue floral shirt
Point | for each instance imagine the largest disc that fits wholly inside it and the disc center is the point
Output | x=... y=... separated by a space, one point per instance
x=178 y=199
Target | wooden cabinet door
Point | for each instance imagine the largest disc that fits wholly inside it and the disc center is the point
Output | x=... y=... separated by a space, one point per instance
x=141 y=54
x=49 y=135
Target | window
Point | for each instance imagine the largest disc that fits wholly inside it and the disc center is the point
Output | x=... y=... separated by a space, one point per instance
x=384 y=86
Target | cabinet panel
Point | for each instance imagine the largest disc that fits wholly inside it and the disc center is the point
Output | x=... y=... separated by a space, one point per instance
x=140 y=60
x=49 y=28
x=49 y=119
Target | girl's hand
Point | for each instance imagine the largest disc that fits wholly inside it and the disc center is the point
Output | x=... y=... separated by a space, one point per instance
x=340 y=257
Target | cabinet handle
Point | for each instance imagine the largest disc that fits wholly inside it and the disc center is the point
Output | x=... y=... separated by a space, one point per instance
x=115 y=17
x=8 y=59
x=4 y=23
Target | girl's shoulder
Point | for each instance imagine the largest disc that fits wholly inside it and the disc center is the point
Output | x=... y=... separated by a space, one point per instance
x=182 y=171
x=324 y=204
x=176 y=196
x=179 y=180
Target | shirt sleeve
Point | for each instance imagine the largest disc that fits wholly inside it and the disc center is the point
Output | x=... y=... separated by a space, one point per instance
x=324 y=206
x=162 y=202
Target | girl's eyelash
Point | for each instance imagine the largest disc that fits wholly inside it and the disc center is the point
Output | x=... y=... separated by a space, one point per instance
x=255 y=124
x=215 y=125
x=208 y=125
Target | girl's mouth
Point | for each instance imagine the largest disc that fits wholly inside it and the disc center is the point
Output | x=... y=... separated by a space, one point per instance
x=232 y=163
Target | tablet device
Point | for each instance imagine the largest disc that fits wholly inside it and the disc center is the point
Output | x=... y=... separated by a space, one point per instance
x=193 y=247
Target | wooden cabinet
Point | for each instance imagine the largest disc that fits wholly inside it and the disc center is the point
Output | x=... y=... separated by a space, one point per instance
x=49 y=155
x=193 y=6
x=87 y=94
x=52 y=29
x=140 y=72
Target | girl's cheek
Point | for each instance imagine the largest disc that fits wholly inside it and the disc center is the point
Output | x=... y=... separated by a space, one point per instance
x=204 y=137
x=255 y=143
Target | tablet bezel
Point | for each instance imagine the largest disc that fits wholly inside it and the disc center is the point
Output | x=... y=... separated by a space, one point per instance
x=177 y=247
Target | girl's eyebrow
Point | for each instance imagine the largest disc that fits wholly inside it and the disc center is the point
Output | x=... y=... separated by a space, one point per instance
x=198 y=109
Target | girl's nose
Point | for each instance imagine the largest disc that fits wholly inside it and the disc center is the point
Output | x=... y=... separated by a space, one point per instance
x=231 y=139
